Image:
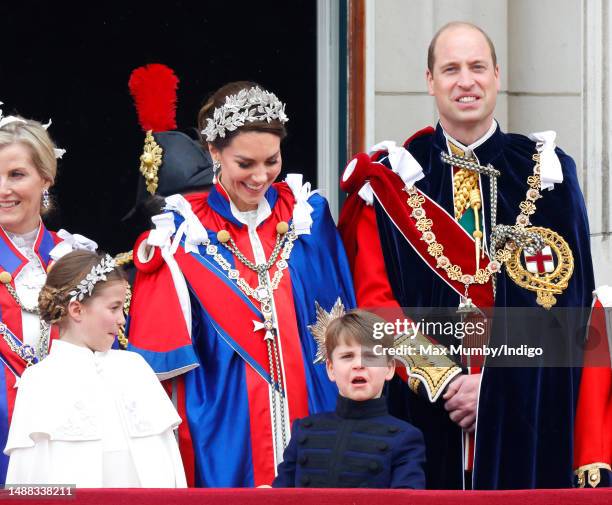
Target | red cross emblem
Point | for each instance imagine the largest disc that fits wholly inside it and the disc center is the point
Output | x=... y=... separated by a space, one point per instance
x=540 y=263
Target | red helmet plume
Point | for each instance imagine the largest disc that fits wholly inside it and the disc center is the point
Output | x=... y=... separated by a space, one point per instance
x=153 y=88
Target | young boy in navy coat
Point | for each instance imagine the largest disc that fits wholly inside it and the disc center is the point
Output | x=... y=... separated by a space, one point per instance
x=360 y=444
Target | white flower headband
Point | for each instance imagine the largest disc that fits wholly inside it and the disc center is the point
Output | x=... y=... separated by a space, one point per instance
x=248 y=105
x=4 y=120
x=97 y=273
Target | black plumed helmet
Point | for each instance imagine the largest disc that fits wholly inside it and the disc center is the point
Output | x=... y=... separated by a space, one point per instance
x=173 y=161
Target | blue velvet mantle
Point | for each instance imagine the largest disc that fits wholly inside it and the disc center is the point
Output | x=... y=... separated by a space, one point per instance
x=526 y=415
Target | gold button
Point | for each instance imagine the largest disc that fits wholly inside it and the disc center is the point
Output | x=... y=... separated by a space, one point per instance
x=223 y=236
x=282 y=227
x=147 y=159
x=5 y=277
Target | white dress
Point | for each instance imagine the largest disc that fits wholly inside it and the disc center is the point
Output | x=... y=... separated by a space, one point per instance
x=94 y=420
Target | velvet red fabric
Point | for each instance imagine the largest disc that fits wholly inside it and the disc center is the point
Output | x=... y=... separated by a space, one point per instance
x=330 y=497
x=593 y=432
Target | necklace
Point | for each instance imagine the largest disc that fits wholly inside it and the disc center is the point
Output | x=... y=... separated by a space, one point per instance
x=29 y=354
x=263 y=294
x=436 y=250
x=6 y=278
x=532 y=239
x=285 y=237
x=508 y=237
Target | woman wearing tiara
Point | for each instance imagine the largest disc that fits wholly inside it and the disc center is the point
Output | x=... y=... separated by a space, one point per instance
x=228 y=287
x=28 y=168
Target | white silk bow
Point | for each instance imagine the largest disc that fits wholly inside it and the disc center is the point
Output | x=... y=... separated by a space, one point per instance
x=604 y=293
x=302 y=220
x=71 y=243
x=550 y=166
x=193 y=230
x=367 y=193
x=163 y=231
x=402 y=162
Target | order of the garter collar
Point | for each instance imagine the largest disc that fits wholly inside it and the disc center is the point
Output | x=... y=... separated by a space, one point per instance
x=248 y=105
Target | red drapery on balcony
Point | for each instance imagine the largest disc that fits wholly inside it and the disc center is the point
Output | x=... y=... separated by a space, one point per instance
x=320 y=497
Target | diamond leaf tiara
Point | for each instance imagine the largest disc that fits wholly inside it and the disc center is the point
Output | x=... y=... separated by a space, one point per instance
x=248 y=105
x=97 y=273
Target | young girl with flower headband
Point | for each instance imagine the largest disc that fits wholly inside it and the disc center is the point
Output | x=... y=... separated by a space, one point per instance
x=89 y=415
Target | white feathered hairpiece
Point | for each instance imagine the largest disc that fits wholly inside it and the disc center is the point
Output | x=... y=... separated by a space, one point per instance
x=4 y=120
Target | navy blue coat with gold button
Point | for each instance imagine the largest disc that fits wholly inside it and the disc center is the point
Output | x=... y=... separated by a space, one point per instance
x=358 y=445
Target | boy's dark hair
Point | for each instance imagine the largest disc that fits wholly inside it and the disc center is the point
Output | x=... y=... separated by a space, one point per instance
x=359 y=326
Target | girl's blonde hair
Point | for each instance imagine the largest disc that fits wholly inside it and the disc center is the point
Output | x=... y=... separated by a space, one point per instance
x=35 y=138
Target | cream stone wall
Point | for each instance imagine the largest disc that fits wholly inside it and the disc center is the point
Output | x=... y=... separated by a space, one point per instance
x=554 y=58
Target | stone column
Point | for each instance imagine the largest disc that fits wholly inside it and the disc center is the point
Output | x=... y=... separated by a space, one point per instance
x=596 y=92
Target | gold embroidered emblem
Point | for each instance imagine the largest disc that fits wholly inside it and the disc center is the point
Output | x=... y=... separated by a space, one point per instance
x=545 y=284
x=150 y=161
x=433 y=371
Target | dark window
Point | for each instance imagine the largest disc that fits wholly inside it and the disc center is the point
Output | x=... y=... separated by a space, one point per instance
x=73 y=63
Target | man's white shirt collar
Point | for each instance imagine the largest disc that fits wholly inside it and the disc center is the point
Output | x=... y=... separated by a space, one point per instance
x=473 y=145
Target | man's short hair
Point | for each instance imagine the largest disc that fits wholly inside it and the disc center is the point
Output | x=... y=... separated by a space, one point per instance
x=431 y=59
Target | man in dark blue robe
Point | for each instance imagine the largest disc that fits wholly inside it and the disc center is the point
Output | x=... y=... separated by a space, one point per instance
x=413 y=227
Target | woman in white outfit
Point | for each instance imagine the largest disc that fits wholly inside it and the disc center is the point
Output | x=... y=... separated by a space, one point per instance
x=88 y=415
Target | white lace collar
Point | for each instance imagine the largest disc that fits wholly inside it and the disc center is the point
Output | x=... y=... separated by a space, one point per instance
x=24 y=240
